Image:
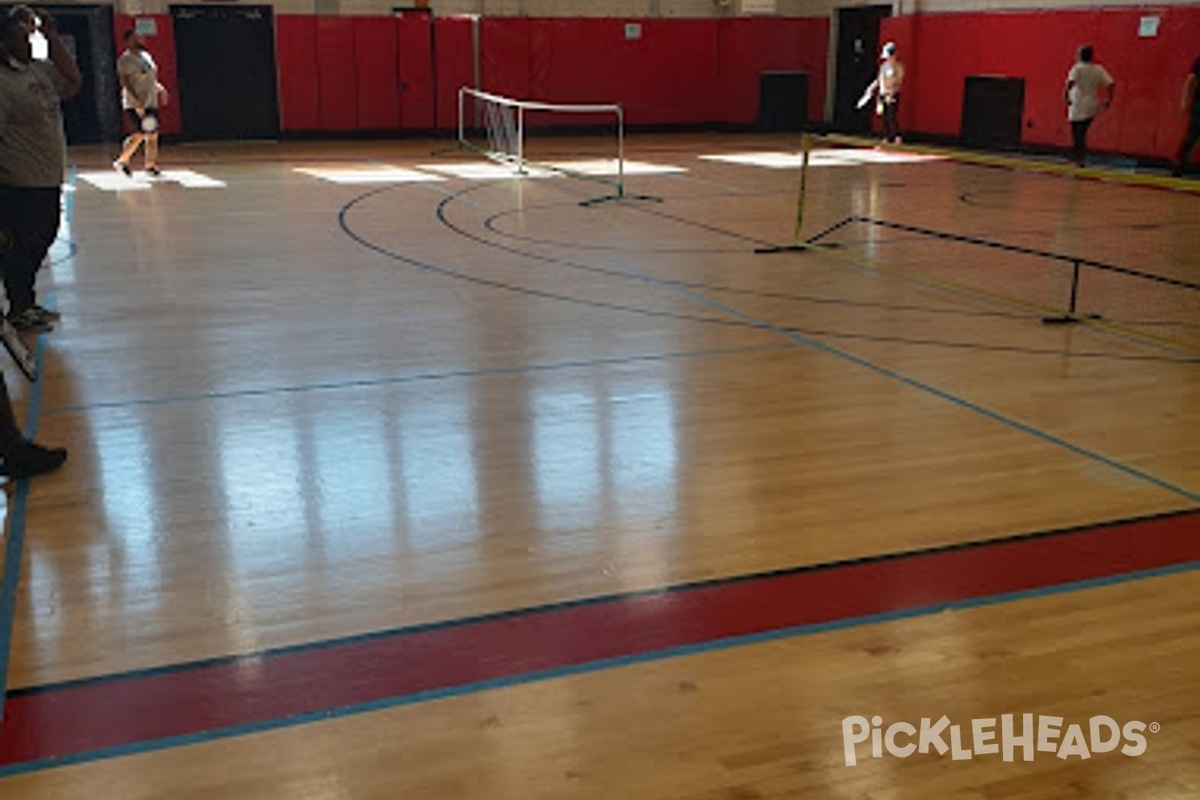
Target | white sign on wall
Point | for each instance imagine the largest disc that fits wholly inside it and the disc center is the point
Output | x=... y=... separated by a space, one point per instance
x=633 y=30
x=759 y=6
x=1148 y=27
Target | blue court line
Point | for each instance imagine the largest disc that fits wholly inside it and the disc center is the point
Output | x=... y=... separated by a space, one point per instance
x=488 y=372
x=14 y=549
x=816 y=344
x=712 y=646
x=15 y=546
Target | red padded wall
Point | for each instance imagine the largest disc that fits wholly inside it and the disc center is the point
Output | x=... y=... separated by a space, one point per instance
x=941 y=50
x=296 y=58
x=377 y=76
x=162 y=47
x=574 y=61
x=454 y=66
x=337 y=73
x=670 y=74
x=415 y=58
x=749 y=46
x=505 y=57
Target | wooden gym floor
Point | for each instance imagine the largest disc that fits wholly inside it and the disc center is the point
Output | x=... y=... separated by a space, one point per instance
x=392 y=477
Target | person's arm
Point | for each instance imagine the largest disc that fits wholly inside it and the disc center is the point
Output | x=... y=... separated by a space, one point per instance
x=60 y=57
x=1189 y=91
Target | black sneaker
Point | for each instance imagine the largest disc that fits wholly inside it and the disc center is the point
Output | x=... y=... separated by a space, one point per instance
x=45 y=314
x=32 y=459
x=121 y=166
x=154 y=172
x=31 y=320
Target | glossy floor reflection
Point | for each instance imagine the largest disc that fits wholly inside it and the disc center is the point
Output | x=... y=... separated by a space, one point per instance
x=315 y=400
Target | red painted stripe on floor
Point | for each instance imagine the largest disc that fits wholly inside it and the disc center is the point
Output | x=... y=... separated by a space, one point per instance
x=126 y=710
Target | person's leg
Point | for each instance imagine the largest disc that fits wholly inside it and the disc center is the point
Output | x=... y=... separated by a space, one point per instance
x=19 y=457
x=1187 y=145
x=886 y=120
x=132 y=142
x=893 y=112
x=1079 y=132
x=152 y=153
x=34 y=228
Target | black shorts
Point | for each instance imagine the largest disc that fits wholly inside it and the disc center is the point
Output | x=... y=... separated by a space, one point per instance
x=136 y=121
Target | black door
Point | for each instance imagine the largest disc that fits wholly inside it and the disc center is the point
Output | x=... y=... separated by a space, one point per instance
x=225 y=57
x=92 y=115
x=857 y=64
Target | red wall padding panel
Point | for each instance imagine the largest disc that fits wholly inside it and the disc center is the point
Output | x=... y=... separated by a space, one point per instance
x=506 y=53
x=942 y=50
x=378 y=78
x=575 y=61
x=337 y=77
x=296 y=57
x=455 y=66
x=162 y=49
x=415 y=59
x=749 y=46
x=669 y=75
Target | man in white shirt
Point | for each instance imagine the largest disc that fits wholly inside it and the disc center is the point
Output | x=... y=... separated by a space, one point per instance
x=140 y=96
x=1084 y=83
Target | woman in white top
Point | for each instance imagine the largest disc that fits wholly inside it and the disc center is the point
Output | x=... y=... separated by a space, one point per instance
x=1084 y=82
x=888 y=83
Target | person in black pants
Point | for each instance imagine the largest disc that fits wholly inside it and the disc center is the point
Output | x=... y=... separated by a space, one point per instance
x=1189 y=104
x=32 y=156
x=889 y=82
x=1085 y=82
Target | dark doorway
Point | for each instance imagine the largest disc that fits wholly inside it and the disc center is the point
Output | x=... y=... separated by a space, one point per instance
x=225 y=57
x=857 y=63
x=92 y=115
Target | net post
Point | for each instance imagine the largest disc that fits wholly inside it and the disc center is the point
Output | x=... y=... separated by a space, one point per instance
x=806 y=147
x=461 y=133
x=1070 y=317
x=521 y=140
x=620 y=151
x=797 y=244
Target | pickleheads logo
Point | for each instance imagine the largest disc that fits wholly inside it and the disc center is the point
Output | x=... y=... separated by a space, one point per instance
x=987 y=737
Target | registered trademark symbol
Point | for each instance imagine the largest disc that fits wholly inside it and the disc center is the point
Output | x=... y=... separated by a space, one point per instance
x=1155 y=727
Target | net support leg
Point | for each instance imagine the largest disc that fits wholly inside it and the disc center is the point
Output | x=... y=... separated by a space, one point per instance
x=1070 y=317
x=809 y=242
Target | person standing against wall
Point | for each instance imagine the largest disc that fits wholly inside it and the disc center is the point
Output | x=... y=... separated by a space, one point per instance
x=1084 y=84
x=140 y=96
x=886 y=90
x=1189 y=104
x=891 y=78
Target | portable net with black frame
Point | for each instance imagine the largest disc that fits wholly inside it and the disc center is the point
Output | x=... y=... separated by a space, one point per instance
x=580 y=141
x=1061 y=288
